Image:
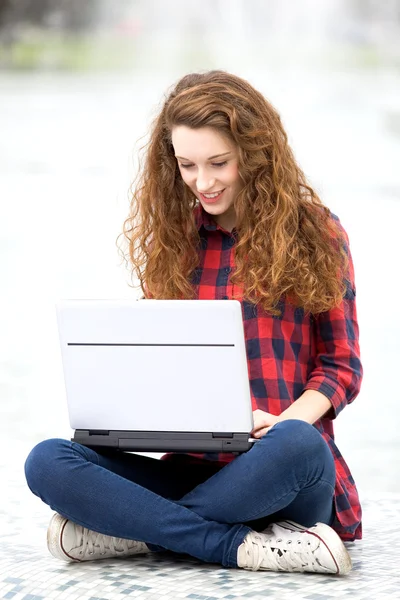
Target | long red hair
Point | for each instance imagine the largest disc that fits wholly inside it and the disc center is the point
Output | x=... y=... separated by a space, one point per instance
x=288 y=242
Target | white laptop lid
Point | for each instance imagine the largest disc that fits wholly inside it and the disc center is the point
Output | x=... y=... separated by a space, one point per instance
x=155 y=365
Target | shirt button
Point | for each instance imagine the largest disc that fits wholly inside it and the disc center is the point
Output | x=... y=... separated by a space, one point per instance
x=225 y=298
x=228 y=269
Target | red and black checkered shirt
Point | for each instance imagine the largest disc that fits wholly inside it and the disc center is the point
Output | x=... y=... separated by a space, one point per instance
x=289 y=354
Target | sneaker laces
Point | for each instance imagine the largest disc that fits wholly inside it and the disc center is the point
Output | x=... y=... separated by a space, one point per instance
x=280 y=554
x=91 y=541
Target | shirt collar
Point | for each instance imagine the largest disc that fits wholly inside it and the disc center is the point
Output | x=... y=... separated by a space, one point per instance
x=202 y=218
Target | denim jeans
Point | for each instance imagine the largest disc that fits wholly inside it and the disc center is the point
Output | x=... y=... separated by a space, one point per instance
x=203 y=510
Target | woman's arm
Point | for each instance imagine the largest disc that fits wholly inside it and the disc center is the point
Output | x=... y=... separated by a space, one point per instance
x=310 y=407
x=336 y=375
x=337 y=369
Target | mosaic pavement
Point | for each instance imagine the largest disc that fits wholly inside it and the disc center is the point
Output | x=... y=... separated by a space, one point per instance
x=29 y=572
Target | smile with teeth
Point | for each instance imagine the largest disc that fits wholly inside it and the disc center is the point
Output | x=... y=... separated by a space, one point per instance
x=213 y=195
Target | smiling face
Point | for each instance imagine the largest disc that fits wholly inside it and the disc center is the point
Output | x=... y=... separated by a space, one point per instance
x=208 y=163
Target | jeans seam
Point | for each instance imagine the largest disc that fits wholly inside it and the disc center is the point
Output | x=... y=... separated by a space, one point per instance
x=312 y=487
x=233 y=550
x=258 y=516
x=73 y=448
x=252 y=518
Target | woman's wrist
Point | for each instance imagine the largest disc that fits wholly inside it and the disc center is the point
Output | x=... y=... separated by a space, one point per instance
x=309 y=407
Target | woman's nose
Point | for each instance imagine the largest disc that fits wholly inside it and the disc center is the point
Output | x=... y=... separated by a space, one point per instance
x=204 y=183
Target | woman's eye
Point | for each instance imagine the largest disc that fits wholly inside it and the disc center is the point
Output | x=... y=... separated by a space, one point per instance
x=218 y=165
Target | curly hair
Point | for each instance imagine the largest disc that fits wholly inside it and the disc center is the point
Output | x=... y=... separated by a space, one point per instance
x=288 y=243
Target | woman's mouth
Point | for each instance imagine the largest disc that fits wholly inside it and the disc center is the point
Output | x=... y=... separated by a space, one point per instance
x=212 y=197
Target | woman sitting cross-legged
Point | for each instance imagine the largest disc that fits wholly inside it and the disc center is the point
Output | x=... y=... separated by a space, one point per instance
x=222 y=211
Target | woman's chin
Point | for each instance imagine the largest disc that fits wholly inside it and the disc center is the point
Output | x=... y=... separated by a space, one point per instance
x=214 y=208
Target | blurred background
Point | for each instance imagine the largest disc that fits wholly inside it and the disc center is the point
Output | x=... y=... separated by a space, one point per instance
x=80 y=83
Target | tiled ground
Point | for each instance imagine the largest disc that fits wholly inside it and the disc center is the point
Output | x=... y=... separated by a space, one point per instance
x=29 y=572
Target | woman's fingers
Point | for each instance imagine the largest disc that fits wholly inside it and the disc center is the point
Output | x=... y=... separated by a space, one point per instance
x=261 y=432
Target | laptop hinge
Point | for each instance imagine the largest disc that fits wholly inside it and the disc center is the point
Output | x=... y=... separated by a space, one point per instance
x=222 y=435
x=99 y=432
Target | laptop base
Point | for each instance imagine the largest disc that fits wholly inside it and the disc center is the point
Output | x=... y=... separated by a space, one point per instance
x=168 y=441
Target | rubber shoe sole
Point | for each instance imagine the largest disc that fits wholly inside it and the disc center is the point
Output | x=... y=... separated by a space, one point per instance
x=332 y=542
x=54 y=538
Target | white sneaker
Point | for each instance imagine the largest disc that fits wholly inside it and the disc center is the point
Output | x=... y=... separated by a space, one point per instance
x=287 y=546
x=68 y=541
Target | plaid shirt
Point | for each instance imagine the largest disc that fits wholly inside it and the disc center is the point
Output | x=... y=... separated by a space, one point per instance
x=289 y=354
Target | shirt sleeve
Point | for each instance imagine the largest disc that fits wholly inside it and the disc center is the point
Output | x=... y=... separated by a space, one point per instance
x=337 y=370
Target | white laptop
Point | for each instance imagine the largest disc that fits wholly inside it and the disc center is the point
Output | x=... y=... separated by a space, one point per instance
x=156 y=375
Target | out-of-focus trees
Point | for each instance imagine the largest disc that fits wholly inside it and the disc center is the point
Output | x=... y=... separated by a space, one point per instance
x=58 y=33
x=71 y=15
x=5 y=7
x=78 y=15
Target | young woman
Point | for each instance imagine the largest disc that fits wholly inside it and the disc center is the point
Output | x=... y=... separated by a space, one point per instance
x=222 y=211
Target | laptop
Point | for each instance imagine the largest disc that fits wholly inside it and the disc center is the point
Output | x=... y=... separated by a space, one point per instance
x=156 y=375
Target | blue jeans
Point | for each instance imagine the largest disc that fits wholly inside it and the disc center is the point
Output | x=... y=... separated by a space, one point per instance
x=203 y=510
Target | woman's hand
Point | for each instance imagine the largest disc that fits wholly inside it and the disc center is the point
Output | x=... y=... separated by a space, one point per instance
x=263 y=422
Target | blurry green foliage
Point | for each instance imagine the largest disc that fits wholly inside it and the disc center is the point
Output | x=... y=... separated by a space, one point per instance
x=68 y=52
